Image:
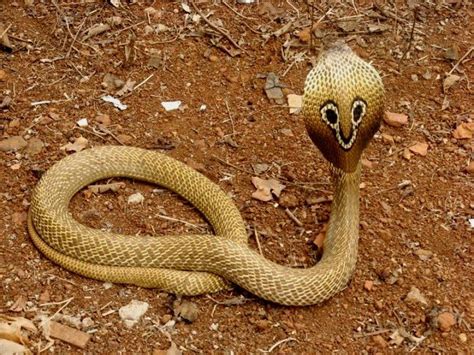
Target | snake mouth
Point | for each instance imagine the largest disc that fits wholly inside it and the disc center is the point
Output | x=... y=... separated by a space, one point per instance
x=345 y=143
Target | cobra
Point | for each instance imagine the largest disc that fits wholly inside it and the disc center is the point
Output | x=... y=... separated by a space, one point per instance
x=342 y=107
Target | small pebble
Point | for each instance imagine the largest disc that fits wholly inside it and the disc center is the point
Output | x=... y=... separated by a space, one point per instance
x=380 y=341
x=368 y=285
x=82 y=122
x=445 y=321
x=136 y=198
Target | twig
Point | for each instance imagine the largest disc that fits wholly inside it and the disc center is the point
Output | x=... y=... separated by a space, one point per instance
x=138 y=85
x=125 y=28
x=278 y=343
x=217 y=28
x=293 y=217
x=230 y=117
x=169 y=40
x=54 y=303
x=294 y=8
x=258 y=240
x=180 y=221
x=410 y=40
x=66 y=303
x=363 y=335
x=65 y=280
x=105 y=306
x=5 y=31
x=75 y=37
x=235 y=11
x=389 y=14
x=222 y=161
x=46 y=102
x=107 y=131
x=21 y=39
x=90 y=131
x=460 y=60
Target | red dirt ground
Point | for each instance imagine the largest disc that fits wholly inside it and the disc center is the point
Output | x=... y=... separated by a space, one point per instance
x=414 y=212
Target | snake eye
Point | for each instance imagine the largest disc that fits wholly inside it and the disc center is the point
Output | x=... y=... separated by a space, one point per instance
x=329 y=114
x=358 y=111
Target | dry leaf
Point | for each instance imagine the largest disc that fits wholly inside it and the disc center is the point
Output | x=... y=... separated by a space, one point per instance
x=19 y=304
x=128 y=87
x=112 y=82
x=295 y=102
x=395 y=119
x=78 y=145
x=450 y=81
x=347 y=26
x=304 y=35
x=186 y=310
x=266 y=189
x=419 y=148
x=464 y=131
x=445 y=104
x=10 y=329
x=173 y=350
x=95 y=30
x=9 y=347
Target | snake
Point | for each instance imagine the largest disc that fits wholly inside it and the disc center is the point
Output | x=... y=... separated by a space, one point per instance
x=342 y=108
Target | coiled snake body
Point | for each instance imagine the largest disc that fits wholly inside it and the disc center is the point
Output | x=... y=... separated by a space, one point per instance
x=343 y=102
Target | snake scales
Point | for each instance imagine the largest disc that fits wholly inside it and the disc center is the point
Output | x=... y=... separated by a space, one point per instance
x=342 y=106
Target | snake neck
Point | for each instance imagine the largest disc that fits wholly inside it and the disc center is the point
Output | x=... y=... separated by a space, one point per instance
x=343 y=230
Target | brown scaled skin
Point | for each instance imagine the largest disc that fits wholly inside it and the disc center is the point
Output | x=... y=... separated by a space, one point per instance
x=340 y=82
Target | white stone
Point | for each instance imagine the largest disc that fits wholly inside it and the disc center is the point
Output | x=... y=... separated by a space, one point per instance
x=171 y=105
x=136 y=198
x=132 y=312
x=82 y=122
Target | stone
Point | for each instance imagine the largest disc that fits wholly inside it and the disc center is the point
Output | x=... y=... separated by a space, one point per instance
x=186 y=310
x=12 y=144
x=445 y=321
x=69 y=335
x=395 y=119
x=34 y=146
x=136 y=198
x=424 y=254
x=289 y=200
x=368 y=285
x=131 y=313
x=103 y=119
x=380 y=341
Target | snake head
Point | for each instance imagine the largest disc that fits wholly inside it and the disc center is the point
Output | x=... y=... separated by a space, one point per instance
x=342 y=105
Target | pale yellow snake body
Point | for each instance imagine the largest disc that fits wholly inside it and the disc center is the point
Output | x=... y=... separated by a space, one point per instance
x=343 y=103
